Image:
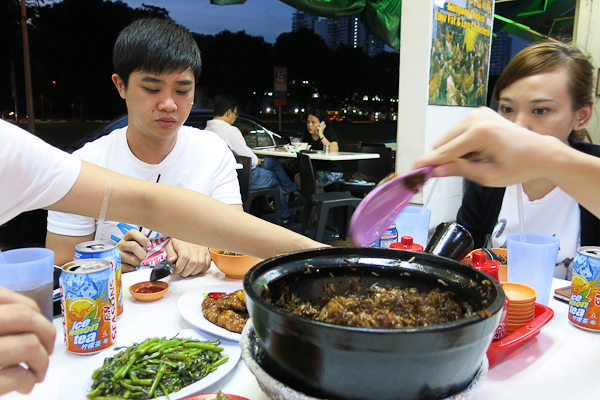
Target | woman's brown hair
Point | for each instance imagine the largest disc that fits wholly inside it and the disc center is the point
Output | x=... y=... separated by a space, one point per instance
x=548 y=57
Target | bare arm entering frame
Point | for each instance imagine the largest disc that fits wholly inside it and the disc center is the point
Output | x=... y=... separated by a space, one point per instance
x=179 y=213
x=492 y=151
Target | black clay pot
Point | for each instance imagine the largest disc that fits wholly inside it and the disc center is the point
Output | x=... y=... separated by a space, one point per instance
x=337 y=362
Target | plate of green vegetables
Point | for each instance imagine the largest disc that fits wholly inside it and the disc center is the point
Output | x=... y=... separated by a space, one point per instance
x=170 y=367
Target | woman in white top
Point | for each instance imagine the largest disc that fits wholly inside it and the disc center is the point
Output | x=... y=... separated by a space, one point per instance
x=546 y=88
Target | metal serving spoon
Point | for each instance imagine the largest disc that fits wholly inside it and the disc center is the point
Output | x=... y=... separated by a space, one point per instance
x=162 y=270
x=487 y=248
x=378 y=210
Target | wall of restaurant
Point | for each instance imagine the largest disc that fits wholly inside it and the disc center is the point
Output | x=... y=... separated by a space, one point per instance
x=421 y=124
x=587 y=37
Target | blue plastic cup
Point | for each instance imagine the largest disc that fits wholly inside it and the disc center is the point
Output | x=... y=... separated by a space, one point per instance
x=532 y=262
x=412 y=222
x=30 y=272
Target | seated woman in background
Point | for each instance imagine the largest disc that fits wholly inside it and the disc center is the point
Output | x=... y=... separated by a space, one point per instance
x=318 y=135
x=546 y=88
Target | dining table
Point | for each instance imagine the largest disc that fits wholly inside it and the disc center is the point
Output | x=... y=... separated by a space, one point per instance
x=562 y=361
x=316 y=154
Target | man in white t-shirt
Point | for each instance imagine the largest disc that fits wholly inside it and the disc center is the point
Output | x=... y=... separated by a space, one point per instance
x=157 y=63
x=267 y=172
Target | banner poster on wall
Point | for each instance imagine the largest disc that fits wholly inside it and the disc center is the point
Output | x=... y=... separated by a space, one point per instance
x=460 y=52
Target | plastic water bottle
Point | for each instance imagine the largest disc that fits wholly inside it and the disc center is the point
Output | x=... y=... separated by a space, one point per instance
x=390 y=236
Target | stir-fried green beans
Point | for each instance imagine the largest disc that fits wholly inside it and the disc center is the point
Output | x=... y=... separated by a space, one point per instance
x=155 y=367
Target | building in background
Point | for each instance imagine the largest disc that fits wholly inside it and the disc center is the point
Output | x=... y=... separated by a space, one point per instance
x=304 y=20
x=347 y=31
x=504 y=47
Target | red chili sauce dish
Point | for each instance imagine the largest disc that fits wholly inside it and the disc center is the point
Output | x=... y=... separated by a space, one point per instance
x=149 y=291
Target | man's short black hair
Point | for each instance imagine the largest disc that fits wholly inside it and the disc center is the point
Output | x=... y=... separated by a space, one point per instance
x=155 y=46
x=224 y=103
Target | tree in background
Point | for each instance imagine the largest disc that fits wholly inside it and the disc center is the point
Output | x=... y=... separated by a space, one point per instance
x=307 y=59
x=236 y=64
x=71 y=42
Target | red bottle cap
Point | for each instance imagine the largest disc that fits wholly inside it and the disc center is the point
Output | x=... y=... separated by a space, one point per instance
x=481 y=262
x=406 y=243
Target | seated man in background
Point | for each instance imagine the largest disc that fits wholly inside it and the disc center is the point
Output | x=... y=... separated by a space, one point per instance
x=157 y=64
x=267 y=172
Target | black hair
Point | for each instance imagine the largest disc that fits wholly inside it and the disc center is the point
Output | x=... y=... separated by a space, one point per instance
x=156 y=46
x=317 y=113
x=224 y=103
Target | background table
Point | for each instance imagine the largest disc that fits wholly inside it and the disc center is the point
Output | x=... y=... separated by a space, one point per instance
x=332 y=156
x=562 y=362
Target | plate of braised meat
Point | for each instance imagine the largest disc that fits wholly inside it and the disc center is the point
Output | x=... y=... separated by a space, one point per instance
x=217 y=309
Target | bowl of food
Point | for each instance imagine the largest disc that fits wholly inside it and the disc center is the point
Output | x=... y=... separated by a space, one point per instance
x=304 y=306
x=233 y=265
x=149 y=291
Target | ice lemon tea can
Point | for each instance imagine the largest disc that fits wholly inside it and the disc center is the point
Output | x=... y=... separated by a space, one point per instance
x=584 y=305
x=105 y=250
x=87 y=301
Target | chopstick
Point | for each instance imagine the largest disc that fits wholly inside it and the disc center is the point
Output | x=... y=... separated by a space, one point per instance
x=141 y=227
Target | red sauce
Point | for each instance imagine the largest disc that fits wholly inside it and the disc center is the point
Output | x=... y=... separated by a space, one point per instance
x=149 y=289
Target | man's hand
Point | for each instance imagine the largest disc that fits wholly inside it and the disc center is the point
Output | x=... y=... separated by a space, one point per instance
x=133 y=248
x=191 y=259
x=260 y=161
x=26 y=337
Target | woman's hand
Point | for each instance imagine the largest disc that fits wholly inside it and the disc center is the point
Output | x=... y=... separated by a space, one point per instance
x=320 y=129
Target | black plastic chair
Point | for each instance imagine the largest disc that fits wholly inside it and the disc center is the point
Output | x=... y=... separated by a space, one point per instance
x=322 y=201
x=372 y=170
x=248 y=195
x=349 y=167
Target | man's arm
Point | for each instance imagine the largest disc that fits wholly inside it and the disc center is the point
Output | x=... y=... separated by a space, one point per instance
x=238 y=146
x=64 y=246
x=179 y=213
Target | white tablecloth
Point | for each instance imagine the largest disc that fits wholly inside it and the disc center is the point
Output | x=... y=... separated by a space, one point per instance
x=562 y=362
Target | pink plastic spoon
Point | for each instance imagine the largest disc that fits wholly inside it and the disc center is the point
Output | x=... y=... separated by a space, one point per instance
x=379 y=208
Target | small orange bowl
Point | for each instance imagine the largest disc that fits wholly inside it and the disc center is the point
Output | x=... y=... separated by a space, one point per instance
x=154 y=290
x=234 y=267
x=518 y=292
x=522 y=306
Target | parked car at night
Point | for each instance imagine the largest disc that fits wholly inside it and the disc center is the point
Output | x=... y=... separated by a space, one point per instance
x=256 y=132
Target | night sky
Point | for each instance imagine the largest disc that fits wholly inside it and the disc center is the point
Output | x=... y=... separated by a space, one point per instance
x=267 y=18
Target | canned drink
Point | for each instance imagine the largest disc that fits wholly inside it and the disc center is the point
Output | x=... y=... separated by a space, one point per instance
x=390 y=236
x=377 y=243
x=584 y=305
x=87 y=301
x=327 y=149
x=105 y=250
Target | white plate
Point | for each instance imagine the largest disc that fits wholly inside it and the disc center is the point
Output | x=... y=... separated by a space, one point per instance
x=79 y=381
x=190 y=308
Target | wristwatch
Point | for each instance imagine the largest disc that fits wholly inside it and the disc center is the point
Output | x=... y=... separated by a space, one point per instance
x=322 y=137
